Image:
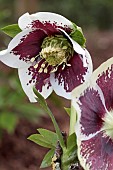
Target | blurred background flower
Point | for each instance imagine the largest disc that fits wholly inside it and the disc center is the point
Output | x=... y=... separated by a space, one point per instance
x=19 y=118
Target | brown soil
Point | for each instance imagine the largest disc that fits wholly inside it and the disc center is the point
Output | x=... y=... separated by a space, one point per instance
x=18 y=153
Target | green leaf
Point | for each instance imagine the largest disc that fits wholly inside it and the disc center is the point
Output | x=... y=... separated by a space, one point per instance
x=71 y=141
x=11 y=30
x=68 y=110
x=43 y=104
x=77 y=35
x=72 y=148
x=40 y=140
x=8 y=121
x=49 y=135
x=47 y=159
x=70 y=155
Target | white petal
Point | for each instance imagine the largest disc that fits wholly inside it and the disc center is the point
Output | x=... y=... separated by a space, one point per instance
x=10 y=59
x=104 y=67
x=26 y=19
x=24 y=79
x=28 y=88
x=59 y=88
x=3 y=52
x=46 y=91
x=76 y=46
x=87 y=62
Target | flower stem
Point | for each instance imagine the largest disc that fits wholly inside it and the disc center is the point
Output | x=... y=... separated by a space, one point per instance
x=72 y=120
x=44 y=105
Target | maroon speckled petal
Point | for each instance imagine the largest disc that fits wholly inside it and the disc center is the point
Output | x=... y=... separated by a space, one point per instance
x=30 y=45
x=105 y=81
x=92 y=111
x=50 y=28
x=97 y=152
x=40 y=79
x=29 y=77
x=73 y=75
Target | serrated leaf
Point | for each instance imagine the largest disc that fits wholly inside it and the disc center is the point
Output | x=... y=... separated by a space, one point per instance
x=77 y=35
x=11 y=30
x=47 y=159
x=40 y=140
x=8 y=121
x=68 y=110
x=44 y=105
x=49 y=135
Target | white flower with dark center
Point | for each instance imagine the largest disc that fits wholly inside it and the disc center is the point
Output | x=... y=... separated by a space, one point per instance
x=46 y=56
x=93 y=102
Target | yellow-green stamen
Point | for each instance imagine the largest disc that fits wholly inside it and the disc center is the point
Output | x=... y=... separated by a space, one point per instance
x=56 y=50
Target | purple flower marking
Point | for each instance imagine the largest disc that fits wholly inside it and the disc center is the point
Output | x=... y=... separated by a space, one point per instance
x=93 y=102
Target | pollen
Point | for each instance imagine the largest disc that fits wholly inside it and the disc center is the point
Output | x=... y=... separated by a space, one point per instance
x=32 y=59
x=45 y=70
x=40 y=70
x=43 y=65
x=35 y=66
x=54 y=70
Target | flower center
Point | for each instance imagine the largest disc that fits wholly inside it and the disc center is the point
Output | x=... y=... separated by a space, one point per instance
x=108 y=124
x=56 y=50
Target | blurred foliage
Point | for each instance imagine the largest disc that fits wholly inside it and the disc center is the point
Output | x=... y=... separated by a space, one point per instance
x=13 y=104
x=86 y=14
x=6 y=12
x=90 y=13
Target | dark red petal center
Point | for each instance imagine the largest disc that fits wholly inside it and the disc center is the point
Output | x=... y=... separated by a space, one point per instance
x=40 y=78
x=72 y=75
x=50 y=28
x=30 y=45
x=92 y=111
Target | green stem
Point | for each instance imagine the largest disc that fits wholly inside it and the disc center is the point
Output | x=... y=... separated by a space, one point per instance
x=72 y=120
x=68 y=158
x=64 y=160
x=44 y=105
x=57 y=129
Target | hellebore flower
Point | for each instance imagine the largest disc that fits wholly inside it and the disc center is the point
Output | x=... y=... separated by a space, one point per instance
x=93 y=102
x=46 y=56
